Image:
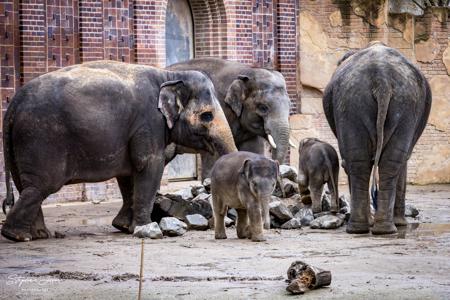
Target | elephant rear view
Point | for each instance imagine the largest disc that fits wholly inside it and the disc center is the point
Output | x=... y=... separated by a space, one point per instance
x=377 y=104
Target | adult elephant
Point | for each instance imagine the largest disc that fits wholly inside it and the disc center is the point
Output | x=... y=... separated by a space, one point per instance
x=99 y=120
x=255 y=102
x=377 y=104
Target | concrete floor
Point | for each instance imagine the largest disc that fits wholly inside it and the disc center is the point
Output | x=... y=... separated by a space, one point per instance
x=413 y=264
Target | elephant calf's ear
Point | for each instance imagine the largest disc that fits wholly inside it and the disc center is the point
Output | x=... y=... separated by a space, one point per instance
x=236 y=94
x=245 y=168
x=169 y=102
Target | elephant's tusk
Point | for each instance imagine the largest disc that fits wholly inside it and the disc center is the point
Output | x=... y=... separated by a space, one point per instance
x=271 y=141
x=291 y=143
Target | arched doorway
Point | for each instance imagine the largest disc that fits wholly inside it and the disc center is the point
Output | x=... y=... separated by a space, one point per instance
x=180 y=47
x=179 y=32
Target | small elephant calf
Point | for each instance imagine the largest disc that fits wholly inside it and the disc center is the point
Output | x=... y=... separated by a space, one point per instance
x=244 y=181
x=318 y=164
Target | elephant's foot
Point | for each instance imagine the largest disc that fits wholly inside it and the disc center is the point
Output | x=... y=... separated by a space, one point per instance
x=123 y=222
x=39 y=231
x=306 y=199
x=258 y=238
x=16 y=234
x=357 y=227
x=317 y=208
x=220 y=236
x=400 y=221
x=243 y=233
x=383 y=228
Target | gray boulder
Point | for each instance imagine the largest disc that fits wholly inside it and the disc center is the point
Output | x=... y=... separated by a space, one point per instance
x=228 y=222
x=197 y=222
x=346 y=212
x=288 y=172
x=292 y=224
x=411 y=211
x=328 y=222
x=161 y=208
x=232 y=214
x=326 y=202
x=151 y=230
x=321 y=214
x=344 y=201
x=290 y=188
x=171 y=226
x=183 y=194
x=172 y=205
x=274 y=222
x=197 y=189
x=280 y=211
x=305 y=215
x=207 y=184
x=294 y=209
x=202 y=196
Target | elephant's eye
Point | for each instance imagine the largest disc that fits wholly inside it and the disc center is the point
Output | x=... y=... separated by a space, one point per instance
x=263 y=108
x=206 y=116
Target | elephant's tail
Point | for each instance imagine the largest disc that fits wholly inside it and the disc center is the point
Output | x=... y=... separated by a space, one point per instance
x=382 y=93
x=7 y=157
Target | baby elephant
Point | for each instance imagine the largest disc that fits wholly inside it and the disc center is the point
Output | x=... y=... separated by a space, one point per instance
x=318 y=164
x=244 y=181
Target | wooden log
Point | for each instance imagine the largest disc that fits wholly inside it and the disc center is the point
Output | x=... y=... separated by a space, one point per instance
x=296 y=287
x=303 y=277
x=296 y=268
x=319 y=277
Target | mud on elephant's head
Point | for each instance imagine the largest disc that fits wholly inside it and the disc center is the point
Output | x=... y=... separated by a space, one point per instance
x=260 y=101
x=193 y=114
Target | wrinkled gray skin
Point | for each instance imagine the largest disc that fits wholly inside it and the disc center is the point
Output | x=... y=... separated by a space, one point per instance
x=99 y=120
x=377 y=104
x=255 y=102
x=244 y=181
x=318 y=164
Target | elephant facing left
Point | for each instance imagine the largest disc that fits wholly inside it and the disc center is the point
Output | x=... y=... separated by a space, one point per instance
x=100 y=120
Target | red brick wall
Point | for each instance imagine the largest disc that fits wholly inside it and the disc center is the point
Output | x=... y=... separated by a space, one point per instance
x=41 y=36
x=91 y=30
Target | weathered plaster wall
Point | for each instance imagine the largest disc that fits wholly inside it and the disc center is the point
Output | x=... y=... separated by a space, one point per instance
x=329 y=28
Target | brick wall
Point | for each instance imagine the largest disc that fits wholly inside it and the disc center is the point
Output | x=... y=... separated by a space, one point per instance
x=41 y=36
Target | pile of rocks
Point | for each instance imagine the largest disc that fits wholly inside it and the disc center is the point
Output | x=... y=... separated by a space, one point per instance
x=294 y=216
x=191 y=209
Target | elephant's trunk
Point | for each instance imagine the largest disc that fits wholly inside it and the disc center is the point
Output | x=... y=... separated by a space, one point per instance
x=278 y=137
x=221 y=135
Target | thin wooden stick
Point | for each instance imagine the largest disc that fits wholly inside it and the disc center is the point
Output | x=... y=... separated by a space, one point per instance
x=141 y=271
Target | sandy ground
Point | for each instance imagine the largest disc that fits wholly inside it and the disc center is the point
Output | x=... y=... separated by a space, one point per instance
x=94 y=261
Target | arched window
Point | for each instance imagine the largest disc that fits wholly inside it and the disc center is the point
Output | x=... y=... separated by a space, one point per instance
x=180 y=47
x=179 y=32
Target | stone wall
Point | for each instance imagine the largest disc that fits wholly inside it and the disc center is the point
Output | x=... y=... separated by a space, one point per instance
x=329 y=28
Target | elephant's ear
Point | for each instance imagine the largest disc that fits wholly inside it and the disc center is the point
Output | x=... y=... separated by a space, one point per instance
x=236 y=94
x=172 y=100
x=245 y=168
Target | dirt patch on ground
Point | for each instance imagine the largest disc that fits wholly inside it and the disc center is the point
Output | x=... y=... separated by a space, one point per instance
x=66 y=275
x=94 y=261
